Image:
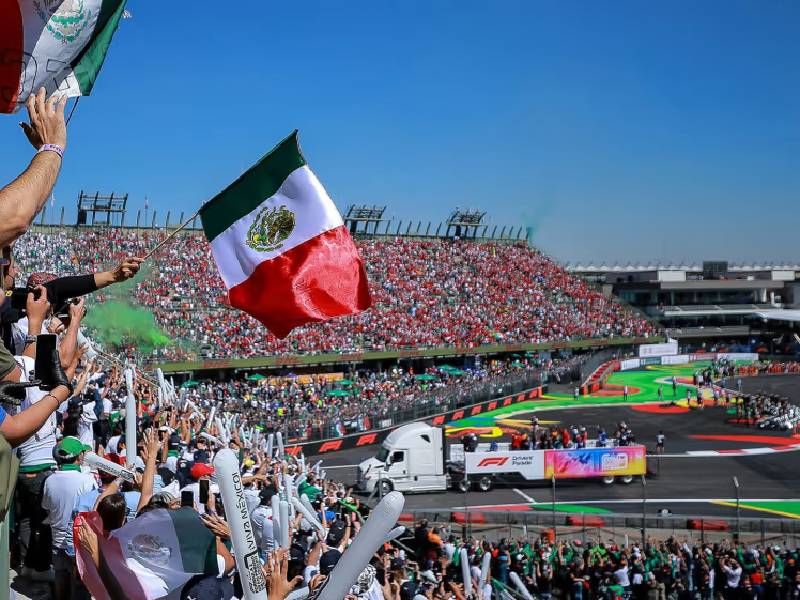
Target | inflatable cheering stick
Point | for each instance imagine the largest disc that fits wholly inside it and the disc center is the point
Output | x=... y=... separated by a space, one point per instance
x=279 y=440
x=276 y=520
x=270 y=441
x=245 y=548
x=107 y=466
x=130 y=420
x=366 y=543
x=519 y=585
x=465 y=574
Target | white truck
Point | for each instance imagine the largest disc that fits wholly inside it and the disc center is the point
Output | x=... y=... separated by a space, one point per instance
x=413 y=458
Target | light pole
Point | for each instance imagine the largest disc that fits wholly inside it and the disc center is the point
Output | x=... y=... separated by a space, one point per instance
x=555 y=536
x=738 y=511
x=644 y=513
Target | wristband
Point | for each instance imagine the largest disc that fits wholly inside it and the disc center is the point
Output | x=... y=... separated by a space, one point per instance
x=52 y=148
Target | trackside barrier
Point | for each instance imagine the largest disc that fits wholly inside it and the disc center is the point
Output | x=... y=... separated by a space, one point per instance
x=600 y=375
x=494 y=522
x=369 y=438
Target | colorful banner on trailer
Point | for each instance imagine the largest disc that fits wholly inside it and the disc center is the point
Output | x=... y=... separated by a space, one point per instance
x=595 y=462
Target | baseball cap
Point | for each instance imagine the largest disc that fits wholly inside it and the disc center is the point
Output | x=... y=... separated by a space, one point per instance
x=70 y=447
x=200 y=469
x=336 y=532
x=40 y=278
x=328 y=561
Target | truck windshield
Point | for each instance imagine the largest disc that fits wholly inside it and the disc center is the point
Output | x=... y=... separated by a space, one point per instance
x=383 y=454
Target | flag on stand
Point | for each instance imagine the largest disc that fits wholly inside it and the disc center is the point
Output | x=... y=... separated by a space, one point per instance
x=281 y=247
x=56 y=44
x=150 y=557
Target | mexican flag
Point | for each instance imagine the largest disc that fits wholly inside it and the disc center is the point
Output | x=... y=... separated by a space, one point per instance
x=56 y=44
x=150 y=557
x=281 y=247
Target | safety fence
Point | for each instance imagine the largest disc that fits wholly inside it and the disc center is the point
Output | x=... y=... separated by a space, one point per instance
x=494 y=523
x=456 y=406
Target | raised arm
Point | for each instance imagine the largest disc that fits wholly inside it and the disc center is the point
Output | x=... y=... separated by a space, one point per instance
x=21 y=199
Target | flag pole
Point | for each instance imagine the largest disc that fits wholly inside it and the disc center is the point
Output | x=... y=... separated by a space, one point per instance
x=183 y=225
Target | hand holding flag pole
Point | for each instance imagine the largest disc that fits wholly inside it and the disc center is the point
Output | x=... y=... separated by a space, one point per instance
x=172 y=234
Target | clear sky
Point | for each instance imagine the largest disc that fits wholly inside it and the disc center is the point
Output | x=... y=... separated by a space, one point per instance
x=617 y=130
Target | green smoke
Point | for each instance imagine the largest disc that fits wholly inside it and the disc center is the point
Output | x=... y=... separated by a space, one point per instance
x=117 y=323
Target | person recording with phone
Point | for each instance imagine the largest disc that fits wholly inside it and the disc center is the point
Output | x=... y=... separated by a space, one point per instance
x=19 y=427
x=62 y=292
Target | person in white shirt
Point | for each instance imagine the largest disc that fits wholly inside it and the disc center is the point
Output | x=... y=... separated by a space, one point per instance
x=733 y=572
x=61 y=490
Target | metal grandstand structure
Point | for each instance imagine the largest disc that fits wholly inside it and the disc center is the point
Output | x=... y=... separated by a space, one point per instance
x=363 y=221
x=106 y=211
x=360 y=219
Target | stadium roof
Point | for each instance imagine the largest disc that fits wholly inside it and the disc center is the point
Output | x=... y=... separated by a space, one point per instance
x=790 y=315
x=653 y=266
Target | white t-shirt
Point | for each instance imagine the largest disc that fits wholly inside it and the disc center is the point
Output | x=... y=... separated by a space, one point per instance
x=38 y=449
x=261 y=518
x=621 y=577
x=61 y=490
x=85 y=429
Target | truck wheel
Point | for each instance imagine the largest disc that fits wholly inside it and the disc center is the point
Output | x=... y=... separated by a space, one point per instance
x=463 y=486
x=385 y=487
x=608 y=479
x=485 y=484
x=626 y=478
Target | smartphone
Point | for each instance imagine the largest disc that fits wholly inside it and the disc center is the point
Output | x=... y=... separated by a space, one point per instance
x=203 y=491
x=187 y=499
x=42 y=366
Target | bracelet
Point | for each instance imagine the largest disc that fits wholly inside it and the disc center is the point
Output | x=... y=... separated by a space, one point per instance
x=52 y=148
x=53 y=397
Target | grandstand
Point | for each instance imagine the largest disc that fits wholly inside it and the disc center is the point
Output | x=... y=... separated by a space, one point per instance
x=747 y=306
x=445 y=293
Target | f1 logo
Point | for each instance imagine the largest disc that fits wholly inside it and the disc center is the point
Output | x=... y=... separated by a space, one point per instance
x=498 y=461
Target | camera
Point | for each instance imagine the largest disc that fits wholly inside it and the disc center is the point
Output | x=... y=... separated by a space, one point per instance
x=19 y=302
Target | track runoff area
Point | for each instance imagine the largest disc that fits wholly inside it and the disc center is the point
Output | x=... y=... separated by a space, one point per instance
x=703 y=451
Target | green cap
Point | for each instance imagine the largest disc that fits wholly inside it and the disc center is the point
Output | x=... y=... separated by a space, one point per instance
x=71 y=447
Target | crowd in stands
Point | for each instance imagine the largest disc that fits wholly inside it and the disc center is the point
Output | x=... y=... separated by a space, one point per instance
x=425 y=294
x=573 y=436
x=317 y=407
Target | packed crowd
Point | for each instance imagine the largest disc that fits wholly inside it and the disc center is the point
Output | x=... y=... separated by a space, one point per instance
x=425 y=294
x=317 y=406
x=573 y=436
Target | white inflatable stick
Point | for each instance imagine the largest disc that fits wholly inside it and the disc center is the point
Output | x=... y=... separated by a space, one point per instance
x=285 y=533
x=130 y=420
x=106 y=465
x=395 y=533
x=276 y=520
x=270 y=440
x=485 y=562
x=279 y=440
x=309 y=515
x=465 y=574
x=211 y=438
x=245 y=548
x=365 y=544
x=519 y=585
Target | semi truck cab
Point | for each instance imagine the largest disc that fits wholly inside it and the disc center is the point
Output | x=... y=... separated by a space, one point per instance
x=411 y=459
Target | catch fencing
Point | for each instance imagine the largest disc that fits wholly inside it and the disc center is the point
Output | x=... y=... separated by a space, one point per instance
x=494 y=523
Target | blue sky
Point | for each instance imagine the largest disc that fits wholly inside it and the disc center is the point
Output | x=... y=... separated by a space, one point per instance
x=617 y=130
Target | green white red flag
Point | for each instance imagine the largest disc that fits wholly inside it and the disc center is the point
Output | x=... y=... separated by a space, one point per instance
x=59 y=45
x=281 y=247
x=151 y=557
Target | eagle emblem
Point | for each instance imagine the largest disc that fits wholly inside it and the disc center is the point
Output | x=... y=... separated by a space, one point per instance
x=65 y=19
x=270 y=229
